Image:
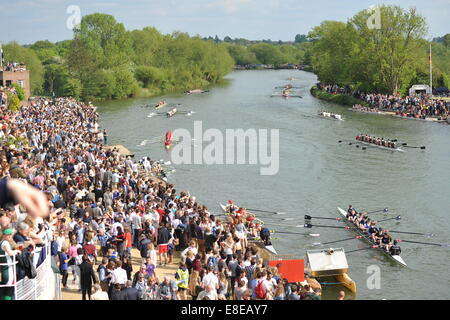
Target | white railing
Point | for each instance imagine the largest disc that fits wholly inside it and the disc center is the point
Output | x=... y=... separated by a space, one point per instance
x=42 y=287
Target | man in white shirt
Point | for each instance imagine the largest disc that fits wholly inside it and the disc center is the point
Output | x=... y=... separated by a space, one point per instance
x=99 y=294
x=210 y=279
x=119 y=275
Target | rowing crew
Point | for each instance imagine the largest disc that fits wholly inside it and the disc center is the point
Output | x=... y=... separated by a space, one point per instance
x=330 y=115
x=240 y=215
x=161 y=103
x=370 y=228
x=376 y=141
x=171 y=112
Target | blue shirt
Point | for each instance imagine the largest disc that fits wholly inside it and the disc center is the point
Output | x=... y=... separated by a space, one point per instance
x=63 y=265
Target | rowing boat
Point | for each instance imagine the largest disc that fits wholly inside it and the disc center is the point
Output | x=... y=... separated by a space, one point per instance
x=171 y=112
x=269 y=248
x=429 y=119
x=329 y=116
x=395 y=258
x=381 y=147
x=159 y=106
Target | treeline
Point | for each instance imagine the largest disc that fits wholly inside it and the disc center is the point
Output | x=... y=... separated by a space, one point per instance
x=105 y=61
x=386 y=60
x=265 y=53
x=248 y=52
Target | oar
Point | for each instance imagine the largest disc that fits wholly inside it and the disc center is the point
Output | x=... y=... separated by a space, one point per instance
x=406 y=146
x=283 y=225
x=308 y=225
x=407 y=232
x=259 y=210
x=324 y=218
x=371 y=247
x=385 y=210
x=396 y=218
x=346 y=239
x=428 y=243
x=304 y=234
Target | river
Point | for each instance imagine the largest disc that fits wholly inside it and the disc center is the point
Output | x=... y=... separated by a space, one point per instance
x=316 y=174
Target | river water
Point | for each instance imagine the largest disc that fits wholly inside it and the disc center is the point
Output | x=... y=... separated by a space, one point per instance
x=316 y=175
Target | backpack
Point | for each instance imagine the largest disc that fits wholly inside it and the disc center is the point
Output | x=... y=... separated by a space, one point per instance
x=259 y=290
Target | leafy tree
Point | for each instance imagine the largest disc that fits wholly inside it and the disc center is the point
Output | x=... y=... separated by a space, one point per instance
x=19 y=91
x=13 y=102
x=73 y=88
x=17 y=53
x=300 y=38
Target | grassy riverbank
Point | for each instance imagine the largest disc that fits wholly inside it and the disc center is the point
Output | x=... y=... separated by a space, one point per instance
x=342 y=99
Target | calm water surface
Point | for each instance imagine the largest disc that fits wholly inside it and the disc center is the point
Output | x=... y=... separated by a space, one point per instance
x=316 y=173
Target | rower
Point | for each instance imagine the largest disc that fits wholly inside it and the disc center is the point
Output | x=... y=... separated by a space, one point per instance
x=373 y=229
x=395 y=250
x=231 y=207
x=265 y=236
x=350 y=211
x=386 y=241
x=378 y=236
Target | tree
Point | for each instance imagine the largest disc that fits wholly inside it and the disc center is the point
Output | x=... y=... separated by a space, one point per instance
x=300 y=38
x=15 y=52
x=19 y=91
x=381 y=60
x=13 y=102
x=73 y=88
x=446 y=40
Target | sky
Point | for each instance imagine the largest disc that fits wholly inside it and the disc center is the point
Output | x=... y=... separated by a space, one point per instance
x=27 y=21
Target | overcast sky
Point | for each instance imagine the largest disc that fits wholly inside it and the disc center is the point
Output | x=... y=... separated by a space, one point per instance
x=27 y=21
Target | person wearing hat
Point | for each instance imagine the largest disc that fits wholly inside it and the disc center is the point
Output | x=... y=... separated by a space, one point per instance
x=6 y=267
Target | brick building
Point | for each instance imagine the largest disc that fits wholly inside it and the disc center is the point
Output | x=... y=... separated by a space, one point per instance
x=19 y=76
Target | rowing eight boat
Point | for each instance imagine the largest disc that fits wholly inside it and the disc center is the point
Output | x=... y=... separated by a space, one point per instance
x=159 y=106
x=364 y=236
x=381 y=147
x=269 y=248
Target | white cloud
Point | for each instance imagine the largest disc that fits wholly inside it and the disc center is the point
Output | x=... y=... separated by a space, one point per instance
x=229 y=6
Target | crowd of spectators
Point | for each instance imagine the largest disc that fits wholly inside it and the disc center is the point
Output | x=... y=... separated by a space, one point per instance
x=104 y=206
x=14 y=67
x=418 y=106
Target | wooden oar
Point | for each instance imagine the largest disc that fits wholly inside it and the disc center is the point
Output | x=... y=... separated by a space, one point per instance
x=406 y=146
x=428 y=243
x=396 y=218
x=329 y=242
x=324 y=218
x=259 y=210
x=407 y=232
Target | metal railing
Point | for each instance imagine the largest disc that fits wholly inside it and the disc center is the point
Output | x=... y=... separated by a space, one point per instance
x=42 y=287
